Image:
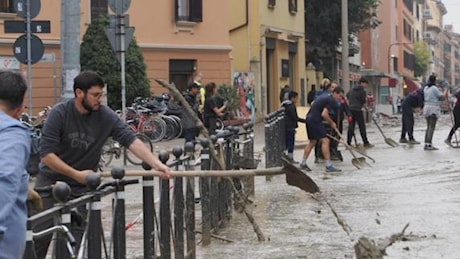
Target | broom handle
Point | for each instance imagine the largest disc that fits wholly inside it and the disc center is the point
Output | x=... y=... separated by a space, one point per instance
x=211 y=173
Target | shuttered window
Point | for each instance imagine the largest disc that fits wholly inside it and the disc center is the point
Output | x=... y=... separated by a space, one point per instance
x=98 y=7
x=189 y=10
x=7 y=6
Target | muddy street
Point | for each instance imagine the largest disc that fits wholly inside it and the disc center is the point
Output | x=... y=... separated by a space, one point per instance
x=405 y=185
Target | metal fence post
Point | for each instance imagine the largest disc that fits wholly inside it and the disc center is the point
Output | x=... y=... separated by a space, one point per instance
x=165 y=213
x=190 y=203
x=178 y=208
x=148 y=205
x=205 y=201
x=94 y=239
x=119 y=238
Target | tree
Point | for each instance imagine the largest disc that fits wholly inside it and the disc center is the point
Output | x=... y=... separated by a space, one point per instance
x=97 y=55
x=422 y=57
x=323 y=25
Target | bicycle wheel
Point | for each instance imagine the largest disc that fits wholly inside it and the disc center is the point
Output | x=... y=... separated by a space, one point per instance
x=171 y=127
x=179 y=125
x=107 y=154
x=154 y=128
x=133 y=158
x=219 y=124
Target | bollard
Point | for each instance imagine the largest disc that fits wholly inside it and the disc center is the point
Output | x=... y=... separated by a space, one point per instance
x=165 y=213
x=204 y=190
x=268 y=145
x=214 y=190
x=119 y=221
x=61 y=192
x=178 y=208
x=94 y=237
x=148 y=213
x=248 y=152
x=281 y=137
x=190 y=204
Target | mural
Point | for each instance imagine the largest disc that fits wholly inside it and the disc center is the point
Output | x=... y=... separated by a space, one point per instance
x=244 y=83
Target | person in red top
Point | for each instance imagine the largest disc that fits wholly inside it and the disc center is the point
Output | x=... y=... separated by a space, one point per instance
x=370 y=101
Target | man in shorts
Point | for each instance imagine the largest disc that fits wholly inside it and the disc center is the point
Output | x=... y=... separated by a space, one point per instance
x=316 y=130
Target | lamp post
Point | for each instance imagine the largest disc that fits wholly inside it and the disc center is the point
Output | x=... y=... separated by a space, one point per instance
x=389 y=53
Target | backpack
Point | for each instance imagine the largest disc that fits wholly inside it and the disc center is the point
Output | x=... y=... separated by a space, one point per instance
x=34 y=158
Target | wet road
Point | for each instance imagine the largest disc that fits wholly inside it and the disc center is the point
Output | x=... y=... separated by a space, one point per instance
x=405 y=185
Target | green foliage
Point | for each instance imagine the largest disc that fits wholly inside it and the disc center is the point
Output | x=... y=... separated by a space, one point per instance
x=96 y=54
x=323 y=25
x=422 y=58
x=228 y=93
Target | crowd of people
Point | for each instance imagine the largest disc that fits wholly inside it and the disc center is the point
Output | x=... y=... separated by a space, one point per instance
x=329 y=107
x=76 y=130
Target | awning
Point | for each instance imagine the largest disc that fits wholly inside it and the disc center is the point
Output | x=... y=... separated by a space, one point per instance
x=411 y=85
x=374 y=73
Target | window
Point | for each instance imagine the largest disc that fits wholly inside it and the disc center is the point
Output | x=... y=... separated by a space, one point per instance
x=189 y=10
x=409 y=61
x=7 y=6
x=271 y=3
x=293 y=6
x=98 y=7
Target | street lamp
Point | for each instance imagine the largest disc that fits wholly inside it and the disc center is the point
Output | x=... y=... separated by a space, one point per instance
x=389 y=53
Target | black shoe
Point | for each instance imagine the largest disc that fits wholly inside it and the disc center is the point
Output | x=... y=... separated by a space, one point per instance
x=403 y=141
x=413 y=141
x=368 y=145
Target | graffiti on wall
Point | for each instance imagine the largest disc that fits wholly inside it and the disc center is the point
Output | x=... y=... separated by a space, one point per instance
x=244 y=83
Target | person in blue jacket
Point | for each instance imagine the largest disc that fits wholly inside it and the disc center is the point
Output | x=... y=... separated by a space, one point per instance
x=14 y=155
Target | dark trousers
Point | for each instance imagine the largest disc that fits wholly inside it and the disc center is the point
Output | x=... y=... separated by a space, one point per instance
x=211 y=124
x=430 y=126
x=78 y=219
x=190 y=134
x=290 y=140
x=456 y=125
x=358 y=117
x=407 y=122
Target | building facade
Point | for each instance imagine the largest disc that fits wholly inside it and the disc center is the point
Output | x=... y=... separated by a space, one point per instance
x=178 y=39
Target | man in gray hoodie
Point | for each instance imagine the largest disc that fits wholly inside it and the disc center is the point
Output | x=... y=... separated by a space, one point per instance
x=356 y=102
x=14 y=154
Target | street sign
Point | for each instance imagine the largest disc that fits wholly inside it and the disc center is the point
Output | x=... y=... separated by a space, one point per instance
x=48 y=58
x=11 y=26
x=114 y=38
x=36 y=49
x=119 y=7
x=21 y=8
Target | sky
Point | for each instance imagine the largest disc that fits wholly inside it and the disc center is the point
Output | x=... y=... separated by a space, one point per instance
x=453 y=14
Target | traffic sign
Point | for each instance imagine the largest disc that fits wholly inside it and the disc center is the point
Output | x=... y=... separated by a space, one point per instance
x=36 y=49
x=114 y=20
x=21 y=8
x=11 y=26
x=119 y=6
x=114 y=37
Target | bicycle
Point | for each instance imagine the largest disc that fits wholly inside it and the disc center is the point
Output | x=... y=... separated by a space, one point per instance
x=113 y=149
x=69 y=238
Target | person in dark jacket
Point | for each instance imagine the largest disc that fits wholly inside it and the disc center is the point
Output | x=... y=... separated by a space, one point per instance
x=189 y=124
x=412 y=101
x=456 y=113
x=291 y=119
x=356 y=102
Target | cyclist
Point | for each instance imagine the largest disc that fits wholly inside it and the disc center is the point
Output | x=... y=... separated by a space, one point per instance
x=71 y=145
